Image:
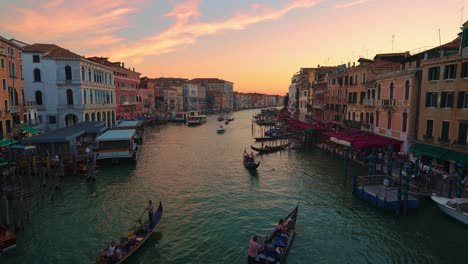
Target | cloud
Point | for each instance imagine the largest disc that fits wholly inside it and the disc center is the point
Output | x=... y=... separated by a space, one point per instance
x=352 y=3
x=56 y=20
x=185 y=31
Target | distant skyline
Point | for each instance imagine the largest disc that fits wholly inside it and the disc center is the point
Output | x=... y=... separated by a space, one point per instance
x=257 y=45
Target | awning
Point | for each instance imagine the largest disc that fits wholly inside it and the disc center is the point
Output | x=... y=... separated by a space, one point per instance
x=429 y=150
x=7 y=142
x=29 y=130
x=456 y=156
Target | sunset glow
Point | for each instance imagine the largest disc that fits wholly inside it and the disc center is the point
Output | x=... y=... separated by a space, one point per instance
x=258 y=45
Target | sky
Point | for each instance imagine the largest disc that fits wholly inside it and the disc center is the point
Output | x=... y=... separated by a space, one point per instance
x=256 y=44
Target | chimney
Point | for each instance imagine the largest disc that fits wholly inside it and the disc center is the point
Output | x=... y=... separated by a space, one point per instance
x=318 y=65
x=349 y=64
x=133 y=69
x=354 y=63
x=123 y=65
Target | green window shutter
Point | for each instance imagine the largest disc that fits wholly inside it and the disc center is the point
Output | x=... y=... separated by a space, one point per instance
x=443 y=97
x=460 y=99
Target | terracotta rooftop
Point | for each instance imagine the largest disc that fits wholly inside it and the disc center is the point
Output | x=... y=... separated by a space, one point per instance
x=51 y=51
x=206 y=80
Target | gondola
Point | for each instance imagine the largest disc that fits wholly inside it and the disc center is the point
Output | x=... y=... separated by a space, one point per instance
x=250 y=163
x=132 y=242
x=279 y=241
x=268 y=149
x=261 y=139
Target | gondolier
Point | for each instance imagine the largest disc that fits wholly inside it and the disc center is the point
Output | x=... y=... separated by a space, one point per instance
x=150 y=212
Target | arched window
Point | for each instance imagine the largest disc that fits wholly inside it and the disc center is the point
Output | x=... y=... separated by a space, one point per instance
x=405 y=121
x=83 y=75
x=371 y=118
x=84 y=98
x=15 y=94
x=378 y=91
x=89 y=75
x=354 y=116
x=37 y=75
x=361 y=117
x=373 y=93
x=91 y=97
x=69 y=97
x=38 y=97
x=391 y=90
x=105 y=78
x=86 y=117
x=368 y=94
x=68 y=73
x=367 y=118
x=108 y=98
x=407 y=90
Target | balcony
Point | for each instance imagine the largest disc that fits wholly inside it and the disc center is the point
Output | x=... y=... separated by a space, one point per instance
x=443 y=140
x=29 y=105
x=14 y=109
x=370 y=102
x=388 y=102
x=429 y=138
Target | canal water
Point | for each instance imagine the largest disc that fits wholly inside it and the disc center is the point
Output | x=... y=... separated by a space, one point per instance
x=213 y=205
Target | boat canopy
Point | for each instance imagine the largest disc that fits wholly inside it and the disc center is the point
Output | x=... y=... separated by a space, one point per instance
x=135 y=123
x=117 y=135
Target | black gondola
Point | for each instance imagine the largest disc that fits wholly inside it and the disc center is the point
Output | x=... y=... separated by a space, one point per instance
x=132 y=242
x=261 y=139
x=249 y=163
x=278 y=242
x=268 y=149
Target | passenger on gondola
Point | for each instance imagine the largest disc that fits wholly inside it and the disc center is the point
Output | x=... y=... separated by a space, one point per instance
x=252 y=156
x=111 y=252
x=254 y=247
x=150 y=212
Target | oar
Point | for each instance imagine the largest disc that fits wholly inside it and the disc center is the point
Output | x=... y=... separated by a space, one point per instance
x=139 y=218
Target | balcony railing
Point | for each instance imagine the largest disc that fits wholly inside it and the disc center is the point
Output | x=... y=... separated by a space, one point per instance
x=388 y=102
x=443 y=140
x=370 y=102
x=428 y=137
x=14 y=109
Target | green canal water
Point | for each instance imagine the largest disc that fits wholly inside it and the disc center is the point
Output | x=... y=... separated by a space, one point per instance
x=212 y=206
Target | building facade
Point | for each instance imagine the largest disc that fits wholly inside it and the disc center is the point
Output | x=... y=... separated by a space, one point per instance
x=127 y=98
x=13 y=110
x=67 y=88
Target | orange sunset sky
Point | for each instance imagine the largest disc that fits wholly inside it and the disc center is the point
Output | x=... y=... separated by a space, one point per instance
x=257 y=44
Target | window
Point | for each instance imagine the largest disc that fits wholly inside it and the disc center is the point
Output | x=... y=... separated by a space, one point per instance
x=69 y=97
x=464 y=70
x=38 y=95
x=462 y=134
x=37 y=75
x=21 y=72
x=10 y=69
x=91 y=96
x=462 y=100
x=354 y=116
x=363 y=95
x=378 y=91
x=3 y=63
x=446 y=99
x=465 y=38
x=363 y=78
x=36 y=59
x=389 y=121
x=52 y=120
x=351 y=80
x=361 y=117
x=6 y=105
x=434 y=73
x=83 y=75
x=4 y=84
x=84 y=96
x=392 y=88
x=431 y=99
x=450 y=71
x=373 y=93
x=429 y=124
x=407 y=84
x=377 y=115
x=405 y=121
x=89 y=75
x=355 y=80
x=445 y=131
x=68 y=73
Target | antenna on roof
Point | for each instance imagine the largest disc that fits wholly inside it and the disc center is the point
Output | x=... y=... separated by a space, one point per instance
x=393 y=40
x=461 y=16
x=440 y=42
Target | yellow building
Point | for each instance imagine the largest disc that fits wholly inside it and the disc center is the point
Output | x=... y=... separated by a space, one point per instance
x=443 y=121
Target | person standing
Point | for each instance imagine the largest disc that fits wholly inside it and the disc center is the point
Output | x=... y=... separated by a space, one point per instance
x=150 y=212
x=253 y=250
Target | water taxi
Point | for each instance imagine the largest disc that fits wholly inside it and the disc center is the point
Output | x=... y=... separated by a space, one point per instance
x=196 y=120
x=117 y=145
x=220 y=130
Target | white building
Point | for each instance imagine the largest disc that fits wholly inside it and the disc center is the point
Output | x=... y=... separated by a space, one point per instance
x=66 y=87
